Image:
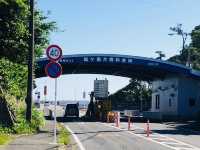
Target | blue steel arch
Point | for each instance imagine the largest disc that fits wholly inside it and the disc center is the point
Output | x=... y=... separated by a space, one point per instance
x=119 y=65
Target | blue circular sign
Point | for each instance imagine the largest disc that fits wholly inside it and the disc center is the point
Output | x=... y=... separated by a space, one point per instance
x=53 y=70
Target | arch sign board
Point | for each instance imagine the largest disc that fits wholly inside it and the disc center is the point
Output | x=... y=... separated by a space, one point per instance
x=53 y=69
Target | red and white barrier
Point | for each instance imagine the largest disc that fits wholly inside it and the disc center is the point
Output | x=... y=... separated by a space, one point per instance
x=148 y=131
x=108 y=119
x=129 y=123
x=117 y=119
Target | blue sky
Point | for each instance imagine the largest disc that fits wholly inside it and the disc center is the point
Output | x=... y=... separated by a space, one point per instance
x=135 y=27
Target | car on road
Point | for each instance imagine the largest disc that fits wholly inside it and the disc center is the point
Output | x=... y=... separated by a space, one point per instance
x=72 y=110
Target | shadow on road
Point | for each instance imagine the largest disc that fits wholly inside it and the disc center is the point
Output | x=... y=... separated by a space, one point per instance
x=181 y=128
x=69 y=119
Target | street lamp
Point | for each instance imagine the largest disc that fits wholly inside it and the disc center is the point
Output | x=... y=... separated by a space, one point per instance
x=179 y=31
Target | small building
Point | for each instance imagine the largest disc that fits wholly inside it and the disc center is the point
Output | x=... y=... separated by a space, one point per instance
x=175 y=97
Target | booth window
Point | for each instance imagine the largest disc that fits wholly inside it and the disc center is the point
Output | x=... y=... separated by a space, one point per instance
x=157 y=101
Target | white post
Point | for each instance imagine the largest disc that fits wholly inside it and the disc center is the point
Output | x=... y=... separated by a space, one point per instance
x=55 y=138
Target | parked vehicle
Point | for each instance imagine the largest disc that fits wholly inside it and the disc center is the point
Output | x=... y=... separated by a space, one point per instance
x=71 y=110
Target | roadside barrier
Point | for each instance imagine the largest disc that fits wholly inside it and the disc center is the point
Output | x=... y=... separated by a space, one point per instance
x=108 y=120
x=117 y=119
x=129 y=123
x=148 y=131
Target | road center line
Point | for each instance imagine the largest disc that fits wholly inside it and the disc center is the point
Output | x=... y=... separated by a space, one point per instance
x=75 y=138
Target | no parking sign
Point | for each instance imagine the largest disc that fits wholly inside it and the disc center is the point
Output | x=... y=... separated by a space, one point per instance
x=53 y=70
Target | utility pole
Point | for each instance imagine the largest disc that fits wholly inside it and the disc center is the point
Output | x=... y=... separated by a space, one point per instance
x=30 y=63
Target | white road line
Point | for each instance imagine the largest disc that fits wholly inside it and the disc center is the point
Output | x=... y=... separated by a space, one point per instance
x=172 y=139
x=161 y=143
x=75 y=138
x=169 y=138
x=139 y=136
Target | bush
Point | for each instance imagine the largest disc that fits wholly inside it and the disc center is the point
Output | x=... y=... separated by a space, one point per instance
x=22 y=126
x=64 y=135
x=5 y=130
x=4 y=139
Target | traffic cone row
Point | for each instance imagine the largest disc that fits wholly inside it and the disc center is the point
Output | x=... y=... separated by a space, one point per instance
x=117 y=121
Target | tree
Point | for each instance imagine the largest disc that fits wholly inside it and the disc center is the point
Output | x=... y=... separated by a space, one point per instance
x=132 y=95
x=179 y=31
x=14 y=35
x=14 y=45
x=193 y=51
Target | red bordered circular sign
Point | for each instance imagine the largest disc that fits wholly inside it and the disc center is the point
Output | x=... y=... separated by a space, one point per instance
x=54 y=52
x=53 y=70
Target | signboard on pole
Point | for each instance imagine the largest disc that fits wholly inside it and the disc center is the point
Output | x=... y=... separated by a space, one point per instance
x=53 y=70
x=54 y=52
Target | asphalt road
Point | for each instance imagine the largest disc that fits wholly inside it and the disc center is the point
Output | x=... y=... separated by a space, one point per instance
x=97 y=136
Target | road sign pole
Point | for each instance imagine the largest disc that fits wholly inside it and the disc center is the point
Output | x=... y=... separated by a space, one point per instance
x=54 y=70
x=55 y=105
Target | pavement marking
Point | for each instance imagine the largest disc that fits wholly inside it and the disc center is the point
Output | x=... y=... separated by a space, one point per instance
x=75 y=138
x=189 y=146
x=167 y=141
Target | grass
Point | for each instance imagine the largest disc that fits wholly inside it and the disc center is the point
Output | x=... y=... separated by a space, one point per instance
x=64 y=135
x=5 y=139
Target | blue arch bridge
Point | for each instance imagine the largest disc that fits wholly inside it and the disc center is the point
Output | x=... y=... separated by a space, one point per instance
x=175 y=88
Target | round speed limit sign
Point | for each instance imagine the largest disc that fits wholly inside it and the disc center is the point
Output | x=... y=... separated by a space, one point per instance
x=54 y=52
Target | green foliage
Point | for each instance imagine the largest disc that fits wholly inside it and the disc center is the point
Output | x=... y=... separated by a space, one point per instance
x=193 y=48
x=14 y=41
x=22 y=126
x=64 y=135
x=4 y=139
x=132 y=94
x=14 y=33
x=5 y=130
x=195 y=36
x=13 y=79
